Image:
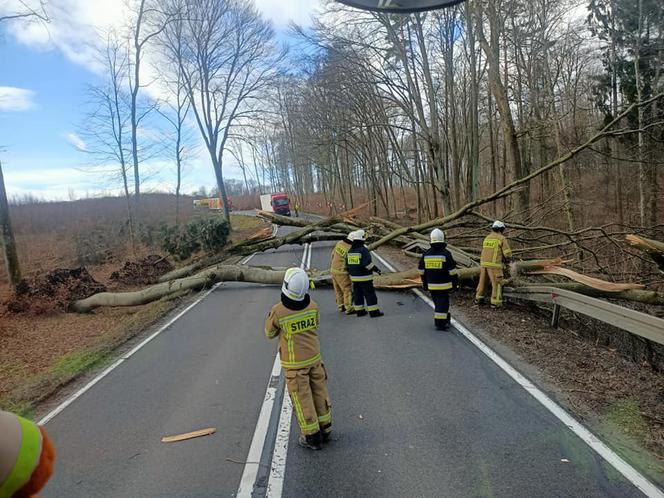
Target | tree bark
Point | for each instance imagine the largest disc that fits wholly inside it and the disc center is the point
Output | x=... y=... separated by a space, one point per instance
x=502 y=102
x=8 y=242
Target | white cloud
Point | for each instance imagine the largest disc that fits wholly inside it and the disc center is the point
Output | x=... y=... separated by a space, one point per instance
x=282 y=12
x=76 y=27
x=75 y=140
x=16 y=99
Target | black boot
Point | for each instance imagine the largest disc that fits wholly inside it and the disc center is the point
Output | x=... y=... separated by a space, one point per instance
x=342 y=309
x=361 y=313
x=326 y=431
x=351 y=311
x=312 y=442
x=376 y=313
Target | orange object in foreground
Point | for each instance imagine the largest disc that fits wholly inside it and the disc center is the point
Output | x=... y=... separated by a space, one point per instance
x=27 y=457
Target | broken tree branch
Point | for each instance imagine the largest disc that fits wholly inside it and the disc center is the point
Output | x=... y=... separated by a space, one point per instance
x=653 y=248
x=512 y=187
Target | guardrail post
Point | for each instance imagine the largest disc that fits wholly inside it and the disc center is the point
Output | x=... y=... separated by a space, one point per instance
x=555 y=318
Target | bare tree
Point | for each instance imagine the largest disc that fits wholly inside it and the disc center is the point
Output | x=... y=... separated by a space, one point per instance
x=106 y=130
x=177 y=102
x=228 y=62
x=148 y=23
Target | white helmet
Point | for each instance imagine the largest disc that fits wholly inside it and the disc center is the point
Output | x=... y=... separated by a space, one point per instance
x=498 y=224
x=357 y=235
x=296 y=284
x=437 y=236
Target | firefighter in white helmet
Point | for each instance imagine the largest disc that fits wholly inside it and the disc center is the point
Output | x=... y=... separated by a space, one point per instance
x=496 y=253
x=295 y=321
x=439 y=276
x=361 y=269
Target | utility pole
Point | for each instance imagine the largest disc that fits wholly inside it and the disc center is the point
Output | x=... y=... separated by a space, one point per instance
x=8 y=243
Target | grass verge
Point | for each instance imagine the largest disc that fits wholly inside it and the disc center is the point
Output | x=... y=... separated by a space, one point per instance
x=26 y=392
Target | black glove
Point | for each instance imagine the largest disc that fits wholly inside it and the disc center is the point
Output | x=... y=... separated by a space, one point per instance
x=377 y=270
x=425 y=286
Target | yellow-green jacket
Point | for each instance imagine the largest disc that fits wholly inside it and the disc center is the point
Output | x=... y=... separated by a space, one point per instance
x=495 y=251
x=299 y=345
x=338 y=258
x=20 y=450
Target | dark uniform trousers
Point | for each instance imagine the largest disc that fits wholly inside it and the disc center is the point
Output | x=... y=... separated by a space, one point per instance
x=441 y=301
x=364 y=291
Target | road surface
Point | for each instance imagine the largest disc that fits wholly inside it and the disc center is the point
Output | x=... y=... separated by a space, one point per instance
x=417 y=413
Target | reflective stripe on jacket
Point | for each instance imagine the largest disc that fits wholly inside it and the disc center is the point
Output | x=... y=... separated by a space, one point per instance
x=359 y=263
x=338 y=262
x=495 y=250
x=438 y=268
x=20 y=450
x=299 y=345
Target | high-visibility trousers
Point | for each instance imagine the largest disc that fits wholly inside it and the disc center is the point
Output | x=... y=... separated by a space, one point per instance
x=364 y=291
x=441 y=301
x=495 y=277
x=307 y=388
x=343 y=290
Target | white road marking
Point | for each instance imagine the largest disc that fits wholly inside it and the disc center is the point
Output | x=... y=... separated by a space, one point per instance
x=275 y=485
x=308 y=259
x=120 y=361
x=629 y=472
x=259 y=439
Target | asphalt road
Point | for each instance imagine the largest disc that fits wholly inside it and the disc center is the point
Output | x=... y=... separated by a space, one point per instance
x=416 y=412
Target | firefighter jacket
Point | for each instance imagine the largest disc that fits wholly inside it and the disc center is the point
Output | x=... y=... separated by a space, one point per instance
x=438 y=269
x=296 y=324
x=338 y=262
x=495 y=251
x=360 y=266
x=20 y=452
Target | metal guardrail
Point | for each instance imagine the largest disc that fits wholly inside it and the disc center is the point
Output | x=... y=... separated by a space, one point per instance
x=637 y=323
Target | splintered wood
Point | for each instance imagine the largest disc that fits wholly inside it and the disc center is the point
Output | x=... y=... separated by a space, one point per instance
x=592 y=282
x=188 y=435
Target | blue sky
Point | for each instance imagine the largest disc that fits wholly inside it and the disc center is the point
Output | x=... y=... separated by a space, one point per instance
x=44 y=75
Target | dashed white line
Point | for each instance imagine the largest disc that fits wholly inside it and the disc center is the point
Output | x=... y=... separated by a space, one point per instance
x=275 y=485
x=258 y=441
x=629 y=472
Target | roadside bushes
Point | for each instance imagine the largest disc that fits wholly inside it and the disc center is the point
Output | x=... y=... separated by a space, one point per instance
x=208 y=233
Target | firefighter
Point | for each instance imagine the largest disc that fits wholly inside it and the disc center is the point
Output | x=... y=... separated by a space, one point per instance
x=343 y=287
x=361 y=270
x=496 y=253
x=26 y=457
x=439 y=276
x=295 y=320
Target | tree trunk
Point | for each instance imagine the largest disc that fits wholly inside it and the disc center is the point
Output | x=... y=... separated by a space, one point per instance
x=474 y=133
x=8 y=242
x=502 y=102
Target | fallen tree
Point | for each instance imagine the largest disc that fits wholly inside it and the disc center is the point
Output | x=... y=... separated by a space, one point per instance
x=537 y=239
x=388 y=281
